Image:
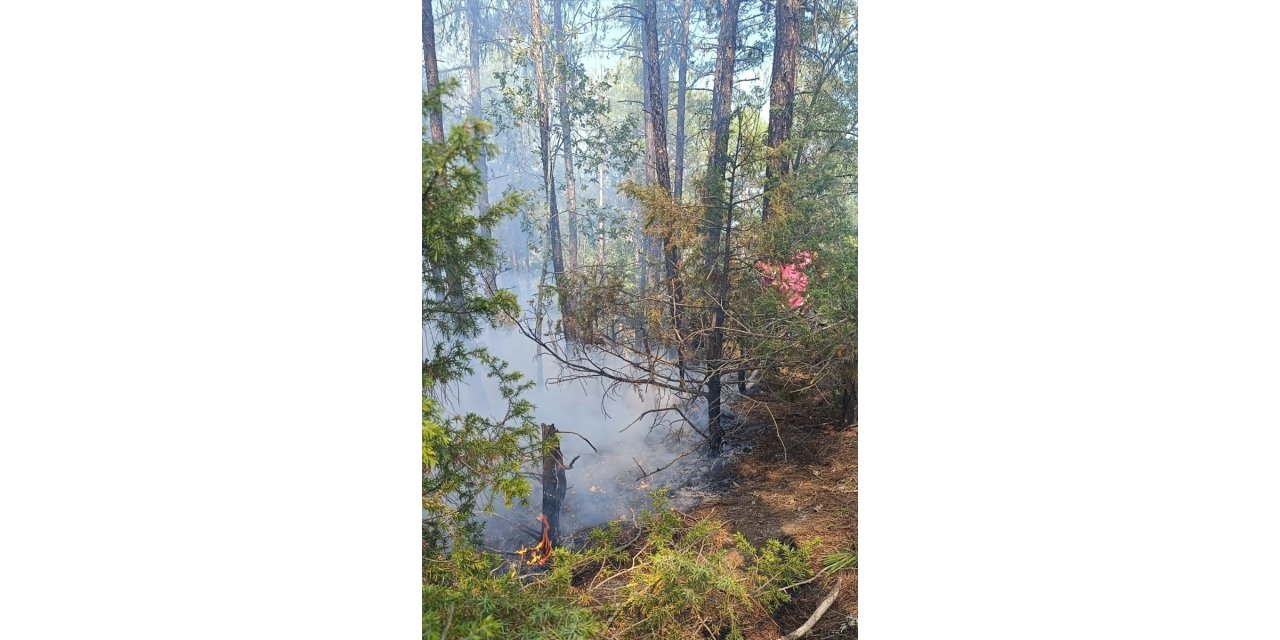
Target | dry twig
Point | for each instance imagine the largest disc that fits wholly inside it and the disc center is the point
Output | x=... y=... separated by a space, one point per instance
x=817 y=614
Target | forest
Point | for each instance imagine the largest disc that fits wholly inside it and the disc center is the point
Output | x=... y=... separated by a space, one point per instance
x=639 y=312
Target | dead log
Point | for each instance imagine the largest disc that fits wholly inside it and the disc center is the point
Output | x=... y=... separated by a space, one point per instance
x=817 y=614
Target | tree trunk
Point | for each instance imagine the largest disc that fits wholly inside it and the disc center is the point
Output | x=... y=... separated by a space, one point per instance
x=715 y=350
x=656 y=142
x=849 y=397
x=538 y=308
x=719 y=212
x=600 y=246
x=656 y=121
x=648 y=258
x=714 y=200
x=682 y=86
x=562 y=94
x=782 y=94
x=554 y=486
x=433 y=75
x=663 y=11
x=477 y=112
x=544 y=145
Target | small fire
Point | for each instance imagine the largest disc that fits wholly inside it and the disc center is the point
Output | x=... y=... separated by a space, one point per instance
x=541 y=552
x=595 y=489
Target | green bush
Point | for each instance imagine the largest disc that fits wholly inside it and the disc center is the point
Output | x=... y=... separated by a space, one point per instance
x=669 y=578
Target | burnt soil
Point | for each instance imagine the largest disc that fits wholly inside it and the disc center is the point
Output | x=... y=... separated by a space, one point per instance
x=794 y=477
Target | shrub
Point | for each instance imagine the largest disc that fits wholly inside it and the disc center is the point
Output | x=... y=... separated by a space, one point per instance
x=672 y=577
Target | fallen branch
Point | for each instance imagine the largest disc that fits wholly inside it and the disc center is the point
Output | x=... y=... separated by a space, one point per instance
x=817 y=614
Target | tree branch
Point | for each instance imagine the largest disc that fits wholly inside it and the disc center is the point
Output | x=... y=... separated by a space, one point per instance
x=817 y=614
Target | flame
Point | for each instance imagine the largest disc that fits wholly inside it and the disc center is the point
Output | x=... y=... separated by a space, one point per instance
x=595 y=489
x=541 y=552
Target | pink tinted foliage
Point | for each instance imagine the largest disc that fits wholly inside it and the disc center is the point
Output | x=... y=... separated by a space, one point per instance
x=789 y=278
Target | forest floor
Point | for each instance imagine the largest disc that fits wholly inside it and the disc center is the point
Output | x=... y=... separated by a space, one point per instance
x=794 y=479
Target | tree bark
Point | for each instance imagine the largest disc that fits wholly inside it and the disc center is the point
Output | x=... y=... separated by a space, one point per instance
x=648 y=256
x=663 y=11
x=544 y=144
x=718 y=213
x=554 y=486
x=714 y=200
x=566 y=132
x=682 y=87
x=715 y=348
x=782 y=94
x=656 y=141
x=600 y=246
x=477 y=112
x=433 y=75
x=656 y=117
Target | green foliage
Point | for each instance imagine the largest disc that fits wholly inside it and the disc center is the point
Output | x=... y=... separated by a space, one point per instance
x=468 y=461
x=600 y=135
x=840 y=560
x=472 y=596
x=471 y=461
x=671 y=578
x=456 y=246
x=665 y=576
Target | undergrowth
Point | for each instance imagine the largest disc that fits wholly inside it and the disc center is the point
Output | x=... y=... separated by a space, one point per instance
x=669 y=577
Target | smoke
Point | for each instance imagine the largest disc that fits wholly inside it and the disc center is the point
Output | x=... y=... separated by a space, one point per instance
x=604 y=483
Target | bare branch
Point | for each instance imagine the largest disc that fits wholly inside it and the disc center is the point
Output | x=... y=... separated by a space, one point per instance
x=817 y=614
x=584 y=439
x=662 y=468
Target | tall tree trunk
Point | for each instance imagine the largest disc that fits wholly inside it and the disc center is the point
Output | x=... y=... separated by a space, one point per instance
x=664 y=11
x=477 y=112
x=719 y=211
x=714 y=199
x=656 y=142
x=649 y=258
x=715 y=348
x=433 y=75
x=539 y=308
x=600 y=245
x=782 y=95
x=566 y=132
x=682 y=87
x=544 y=144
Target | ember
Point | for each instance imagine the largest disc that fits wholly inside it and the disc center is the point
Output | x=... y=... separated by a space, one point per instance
x=541 y=552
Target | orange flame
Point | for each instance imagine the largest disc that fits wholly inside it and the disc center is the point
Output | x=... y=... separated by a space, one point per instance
x=541 y=552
